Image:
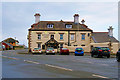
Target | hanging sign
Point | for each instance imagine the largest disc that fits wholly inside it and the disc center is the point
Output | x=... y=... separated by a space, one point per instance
x=66 y=32
x=56 y=32
x=46 y=32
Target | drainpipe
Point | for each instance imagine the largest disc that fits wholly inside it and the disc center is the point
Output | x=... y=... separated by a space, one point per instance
x=68 y=38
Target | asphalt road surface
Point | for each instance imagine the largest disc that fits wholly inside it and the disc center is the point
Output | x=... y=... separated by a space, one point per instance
x=16 y=65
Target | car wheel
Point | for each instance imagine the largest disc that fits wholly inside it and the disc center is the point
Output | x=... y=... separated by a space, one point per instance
x=108 y=56
x=98 y=56
x=92 y=55
x=82 y=54
x=75 y=54
x=117 y=58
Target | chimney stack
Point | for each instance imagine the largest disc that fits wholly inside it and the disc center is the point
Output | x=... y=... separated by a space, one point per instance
x=110 y=31
x=76 y=18
x=37 y=17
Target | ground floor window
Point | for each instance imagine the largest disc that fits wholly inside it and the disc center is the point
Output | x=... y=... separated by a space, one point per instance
x=82 y=45
x=61 y=45
x=39 y=45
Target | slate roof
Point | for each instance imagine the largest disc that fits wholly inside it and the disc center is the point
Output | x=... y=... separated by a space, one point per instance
x=100 y=37
x=58 y=25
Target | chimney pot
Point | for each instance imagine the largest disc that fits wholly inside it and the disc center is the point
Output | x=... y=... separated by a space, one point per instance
x=110 y=31
x=83 y=21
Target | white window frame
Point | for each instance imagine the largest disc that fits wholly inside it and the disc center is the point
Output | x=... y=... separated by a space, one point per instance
x=83 y=37
x=61 y=37
x=49 y=25
x=72 y=36
x=61 y=45
x=68 y=25
x=39 y=36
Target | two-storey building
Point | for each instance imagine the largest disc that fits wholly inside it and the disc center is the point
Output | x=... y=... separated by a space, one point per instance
x=58 y=34
x=70 y=34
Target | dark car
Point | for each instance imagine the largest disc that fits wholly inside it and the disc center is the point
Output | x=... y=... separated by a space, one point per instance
x=100 y=52
x=64 y=51
x=79 y=51
x=118 y=56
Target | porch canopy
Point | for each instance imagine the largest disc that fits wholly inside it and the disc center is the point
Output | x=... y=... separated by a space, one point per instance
x=52 y=43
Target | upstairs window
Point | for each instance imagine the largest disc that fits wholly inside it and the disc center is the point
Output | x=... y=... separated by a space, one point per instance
x=68 y=25
x=50 y=25
x=72 y=36
x=83 y=36
x=61 y=36
x=39 y=36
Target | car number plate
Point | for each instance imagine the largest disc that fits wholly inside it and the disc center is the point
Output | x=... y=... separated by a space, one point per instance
x=105 y=51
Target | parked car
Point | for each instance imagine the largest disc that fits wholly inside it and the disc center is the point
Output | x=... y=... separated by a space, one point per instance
x=100 y=51
x=36 y=50
x=118 y=56
x=50 y=50
x=64 y=51
x=79 y=51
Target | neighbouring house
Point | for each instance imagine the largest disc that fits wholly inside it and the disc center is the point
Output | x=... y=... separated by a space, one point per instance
x=1 y=47
x=104 y=39
x=69 y=34
x=10 y=43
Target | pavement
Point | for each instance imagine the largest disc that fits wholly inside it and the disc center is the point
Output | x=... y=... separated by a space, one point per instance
x=16 y=65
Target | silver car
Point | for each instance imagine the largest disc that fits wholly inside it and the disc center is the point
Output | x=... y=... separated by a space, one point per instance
x=37 y=50
x=50 y=50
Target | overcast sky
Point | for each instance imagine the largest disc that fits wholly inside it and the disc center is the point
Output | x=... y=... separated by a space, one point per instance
x=17 y=17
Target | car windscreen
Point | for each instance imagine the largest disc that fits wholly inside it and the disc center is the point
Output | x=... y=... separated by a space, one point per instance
x=79 y=49
x=50 y=49
x=104 y=48
x=36 y=48
x=64 y=48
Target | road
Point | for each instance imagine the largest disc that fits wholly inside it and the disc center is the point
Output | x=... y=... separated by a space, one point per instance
x=56 y=66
